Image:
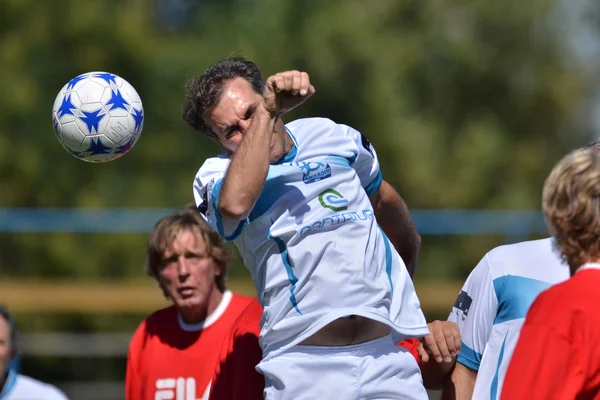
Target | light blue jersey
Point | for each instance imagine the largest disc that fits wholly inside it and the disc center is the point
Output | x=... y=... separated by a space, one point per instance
x=492 y=305
x=311 y=242
x=21 y=387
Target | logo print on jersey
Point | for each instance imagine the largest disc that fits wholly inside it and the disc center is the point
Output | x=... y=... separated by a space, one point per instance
x=366 y=144
x=333 y=200
x=178 y=389
x=463 y=302
x=314 y=171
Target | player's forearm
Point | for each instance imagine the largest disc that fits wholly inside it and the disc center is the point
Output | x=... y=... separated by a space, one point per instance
x=248 y=169
x=436 y=374
x=461 y=384
x=394 y=218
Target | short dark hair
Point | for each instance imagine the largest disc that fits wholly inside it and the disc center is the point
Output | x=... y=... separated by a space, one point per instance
x=204 y=92
x=4 y=313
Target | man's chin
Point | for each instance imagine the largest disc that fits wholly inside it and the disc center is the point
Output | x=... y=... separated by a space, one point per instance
x=190 y=304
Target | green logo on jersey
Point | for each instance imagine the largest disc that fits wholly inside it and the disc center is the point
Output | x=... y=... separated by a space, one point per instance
x=333 y=200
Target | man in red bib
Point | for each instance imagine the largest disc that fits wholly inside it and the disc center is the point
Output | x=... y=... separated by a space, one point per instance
x=173 y=352
x=557 y=355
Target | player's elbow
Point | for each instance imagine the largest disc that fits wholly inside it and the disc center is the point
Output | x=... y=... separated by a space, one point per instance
x=233 y=209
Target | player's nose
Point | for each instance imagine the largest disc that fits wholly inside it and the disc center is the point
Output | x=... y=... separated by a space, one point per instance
x=182 y=270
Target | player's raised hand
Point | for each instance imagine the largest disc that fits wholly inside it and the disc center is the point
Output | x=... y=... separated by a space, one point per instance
x=286 y=90
x=443 y=342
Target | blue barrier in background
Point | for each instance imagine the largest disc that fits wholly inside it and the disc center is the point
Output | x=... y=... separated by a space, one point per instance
x=518 y=223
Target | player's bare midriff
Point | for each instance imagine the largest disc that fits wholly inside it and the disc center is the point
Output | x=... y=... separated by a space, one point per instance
x=348 y=331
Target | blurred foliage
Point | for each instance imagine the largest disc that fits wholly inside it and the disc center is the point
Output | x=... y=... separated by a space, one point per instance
x=468 y=103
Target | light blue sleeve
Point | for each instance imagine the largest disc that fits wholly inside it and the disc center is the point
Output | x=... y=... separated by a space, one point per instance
x=474 y=311
x=207 y=186
x=366 y=163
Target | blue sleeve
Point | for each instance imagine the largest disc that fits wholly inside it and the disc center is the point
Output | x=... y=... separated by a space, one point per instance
x=474 y=312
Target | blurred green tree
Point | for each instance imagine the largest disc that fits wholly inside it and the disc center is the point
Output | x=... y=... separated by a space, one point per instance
x=468 y=103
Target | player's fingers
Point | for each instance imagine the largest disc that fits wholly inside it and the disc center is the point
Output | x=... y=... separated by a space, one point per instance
x=274 y=83
x=288 y=78
x=432 y=347
x=440 y=340
x=278 y=83
x=457 y=339
x=423 y=353
x=449 y=338
x=296 y=82
x=304 y=84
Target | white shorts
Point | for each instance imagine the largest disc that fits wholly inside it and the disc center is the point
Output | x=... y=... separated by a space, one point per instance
x=373 y=370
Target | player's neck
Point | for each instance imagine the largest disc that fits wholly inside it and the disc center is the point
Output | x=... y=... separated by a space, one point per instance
x=288 y=143
x=193 y=317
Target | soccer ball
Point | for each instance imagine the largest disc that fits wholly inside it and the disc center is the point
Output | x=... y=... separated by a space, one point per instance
x=98 y=116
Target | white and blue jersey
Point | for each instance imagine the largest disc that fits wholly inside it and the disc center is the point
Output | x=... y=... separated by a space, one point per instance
x=21 y=387
x=492 y=305
x=311 y=242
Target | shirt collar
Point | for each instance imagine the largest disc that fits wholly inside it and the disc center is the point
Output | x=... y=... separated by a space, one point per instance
x=10 y=382
x=588 y=266
x=211 y=319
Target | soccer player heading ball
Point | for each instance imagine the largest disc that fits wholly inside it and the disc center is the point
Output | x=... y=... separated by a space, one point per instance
x=320 y=232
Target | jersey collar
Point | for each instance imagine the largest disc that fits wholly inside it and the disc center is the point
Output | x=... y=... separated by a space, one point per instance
x=289 y=157
x=211 y=319
x=10 y=382
x=588 y=266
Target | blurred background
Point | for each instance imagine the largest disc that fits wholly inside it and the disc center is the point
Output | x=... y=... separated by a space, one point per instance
x=468 y=103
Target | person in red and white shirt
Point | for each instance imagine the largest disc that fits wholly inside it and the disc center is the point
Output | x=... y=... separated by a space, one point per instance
x=173 y=352
x=557 y=355
x=236 y=378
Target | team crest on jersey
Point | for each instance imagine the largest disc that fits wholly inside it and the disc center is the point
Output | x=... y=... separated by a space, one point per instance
x=314 y=171
x=333 y=200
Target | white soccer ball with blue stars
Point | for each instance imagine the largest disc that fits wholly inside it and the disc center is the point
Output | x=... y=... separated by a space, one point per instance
x=98 y=116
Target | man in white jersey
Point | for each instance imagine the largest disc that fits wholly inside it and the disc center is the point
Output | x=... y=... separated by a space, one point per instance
x=302 y=203
x=490 y=311
x=14 y=386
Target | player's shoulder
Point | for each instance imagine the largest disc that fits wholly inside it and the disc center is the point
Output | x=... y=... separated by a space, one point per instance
x=35 y=389
x=536 y=246
x=560 y=304
x=576 y=297
x=249 y=319
x=164 y=317
x=212 y=166
x=239 y=302
x=582 y=288
x=534 y=259
x=305 y=129
x=311 y=123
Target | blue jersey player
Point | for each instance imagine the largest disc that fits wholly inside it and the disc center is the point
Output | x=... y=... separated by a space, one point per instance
x=328 y=243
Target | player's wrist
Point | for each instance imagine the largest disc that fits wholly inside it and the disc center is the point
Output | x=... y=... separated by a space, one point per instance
x=268 y=112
